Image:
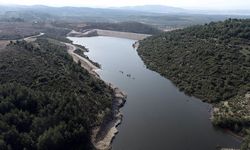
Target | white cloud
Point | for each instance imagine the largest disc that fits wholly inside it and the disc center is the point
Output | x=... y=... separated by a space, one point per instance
x=199 y=4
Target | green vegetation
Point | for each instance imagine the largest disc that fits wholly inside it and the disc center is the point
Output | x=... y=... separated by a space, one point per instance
x=56 y=33
x=46 y=100
x=80 y=51
x=211 y=62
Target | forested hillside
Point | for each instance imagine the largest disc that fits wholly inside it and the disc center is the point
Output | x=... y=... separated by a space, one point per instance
x=211 y=62
x=46 y=100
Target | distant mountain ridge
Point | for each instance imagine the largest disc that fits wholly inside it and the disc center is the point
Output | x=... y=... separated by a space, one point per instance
x=129 y=10
x=157 y=15
x=163 y=9
x=154 y=9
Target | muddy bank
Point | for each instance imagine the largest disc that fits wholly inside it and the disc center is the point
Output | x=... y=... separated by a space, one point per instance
x=98 y=32
x=102 y=135
x=167 y=115
x=85 y=63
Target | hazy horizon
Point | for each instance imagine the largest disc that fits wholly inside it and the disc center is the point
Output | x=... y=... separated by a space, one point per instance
x=186 y=4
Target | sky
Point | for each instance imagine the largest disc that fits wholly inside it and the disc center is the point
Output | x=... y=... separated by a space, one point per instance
x=194 y=4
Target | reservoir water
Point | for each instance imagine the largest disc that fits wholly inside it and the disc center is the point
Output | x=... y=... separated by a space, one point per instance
x=157 y=116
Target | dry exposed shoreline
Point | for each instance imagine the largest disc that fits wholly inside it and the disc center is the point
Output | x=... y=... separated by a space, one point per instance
x=99 y=32
x=103 y=135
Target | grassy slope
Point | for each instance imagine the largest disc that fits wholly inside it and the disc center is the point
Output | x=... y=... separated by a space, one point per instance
x=211 y=62
x=46 y=100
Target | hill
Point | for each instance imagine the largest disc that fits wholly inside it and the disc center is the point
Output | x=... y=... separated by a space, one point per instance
x=211 y=62
x=134 y=27
x=152 y=14
x=163 y=9
x=154 y=9
x=46 y=100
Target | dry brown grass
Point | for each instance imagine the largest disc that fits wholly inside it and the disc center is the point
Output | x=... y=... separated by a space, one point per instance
x=14 y=30
x=3 y=44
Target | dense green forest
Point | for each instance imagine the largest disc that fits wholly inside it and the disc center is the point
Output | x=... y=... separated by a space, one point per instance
x=211 y=62
x=46 y=100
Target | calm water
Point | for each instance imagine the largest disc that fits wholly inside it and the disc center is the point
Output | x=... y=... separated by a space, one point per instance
x=157 y=116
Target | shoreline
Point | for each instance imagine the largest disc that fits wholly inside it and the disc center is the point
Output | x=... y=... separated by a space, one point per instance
x=110 y=33
x=212 y=106
x=103 y=135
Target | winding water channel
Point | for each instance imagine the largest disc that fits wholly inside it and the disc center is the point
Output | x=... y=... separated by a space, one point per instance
x=157 y=116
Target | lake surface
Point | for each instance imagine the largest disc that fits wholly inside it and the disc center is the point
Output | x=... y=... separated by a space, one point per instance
x=157 y=116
